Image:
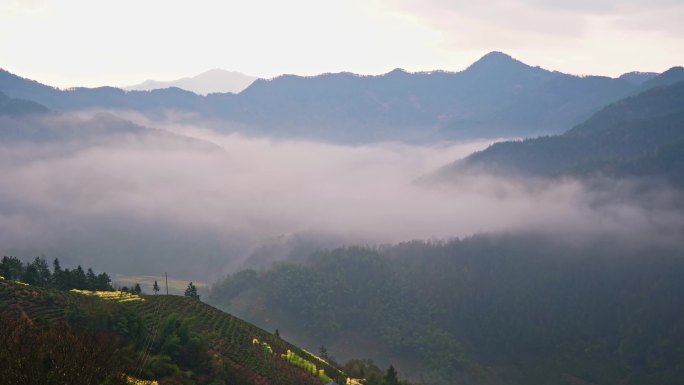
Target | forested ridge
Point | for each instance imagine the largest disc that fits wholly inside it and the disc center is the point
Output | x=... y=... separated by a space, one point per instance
x=488 y=309
x=638 y=136
x=38 y=273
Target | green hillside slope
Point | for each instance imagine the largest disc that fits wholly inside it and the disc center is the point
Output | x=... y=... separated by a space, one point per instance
x=171 y=339
x=523 y=310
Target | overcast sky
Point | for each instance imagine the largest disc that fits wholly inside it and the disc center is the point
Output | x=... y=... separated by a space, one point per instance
x=90 y=43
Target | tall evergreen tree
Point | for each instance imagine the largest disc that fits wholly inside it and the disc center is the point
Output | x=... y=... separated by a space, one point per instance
x=104 y=282
x=191 y=291
x=91 y=280
x=11 y=268
x=30 y=274
x=57 y=275
x=79 y=280
x=155 y=287
x=391 y=376
x=43 y=272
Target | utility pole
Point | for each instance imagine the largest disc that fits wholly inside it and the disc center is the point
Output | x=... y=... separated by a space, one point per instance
x=166 y=278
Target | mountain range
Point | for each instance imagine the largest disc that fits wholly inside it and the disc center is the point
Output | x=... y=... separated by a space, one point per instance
x=642 y=135
x=497 y=96
x=212 y=81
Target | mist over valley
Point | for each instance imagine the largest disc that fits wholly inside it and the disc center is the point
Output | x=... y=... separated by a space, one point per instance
x=503 y=224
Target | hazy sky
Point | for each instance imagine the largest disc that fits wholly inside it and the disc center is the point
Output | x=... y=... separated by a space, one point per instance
x=85 y=42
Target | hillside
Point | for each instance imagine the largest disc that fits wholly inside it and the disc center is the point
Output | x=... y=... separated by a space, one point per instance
x=19 y=107
x=184 y=341
x=495 y=96
x=637 y=77
x=614 y=140
x=483 y=310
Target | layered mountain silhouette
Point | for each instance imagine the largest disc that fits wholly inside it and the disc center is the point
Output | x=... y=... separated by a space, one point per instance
x=637 y=77
x=19 y=107
x=494 y=97
x=212 y=81
x=640 y=135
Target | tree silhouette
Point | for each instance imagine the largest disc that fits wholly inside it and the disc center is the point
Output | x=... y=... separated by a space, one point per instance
x=191 y=291
x=155 y=287
x=391 y=376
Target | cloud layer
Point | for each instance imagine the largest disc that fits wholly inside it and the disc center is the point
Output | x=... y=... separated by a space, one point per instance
x=148 y=202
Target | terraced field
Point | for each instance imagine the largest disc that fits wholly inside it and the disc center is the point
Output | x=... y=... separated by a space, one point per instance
x=230 y=339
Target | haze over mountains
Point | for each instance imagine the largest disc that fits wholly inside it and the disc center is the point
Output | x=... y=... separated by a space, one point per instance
x=224 y=155
x=566 y=247
x=497 y=96
x=212 y=81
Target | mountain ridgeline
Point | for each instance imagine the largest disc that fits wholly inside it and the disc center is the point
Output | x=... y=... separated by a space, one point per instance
x=642 y=135
x=494 y=97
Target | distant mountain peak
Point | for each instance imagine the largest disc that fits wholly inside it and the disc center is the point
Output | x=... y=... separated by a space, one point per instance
x=497 y=55
x=212 y=81
x=494 y=61
x=397 y=71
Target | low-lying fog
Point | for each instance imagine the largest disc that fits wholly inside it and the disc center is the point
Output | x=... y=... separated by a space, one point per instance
x=145 y=203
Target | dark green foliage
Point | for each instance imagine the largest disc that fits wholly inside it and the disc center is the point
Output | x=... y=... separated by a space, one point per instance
x=78 y=279
x=187 y=342
x=178 y=349
x=391 y=376
x=366 y=368
x=56 y=354
x=11 y=268
x=533 y=308
x=191 y=291
x=37 y=273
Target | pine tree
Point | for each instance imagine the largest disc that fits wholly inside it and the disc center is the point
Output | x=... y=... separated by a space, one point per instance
x=79 y=280
x=42 y=269
x=391 y=376
x=57 y=275
x=155 y=287
x=11 y=268
x=137 y=289
x=91 y=280
x=104 y=282
x=191 y=291
x=324 y=353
